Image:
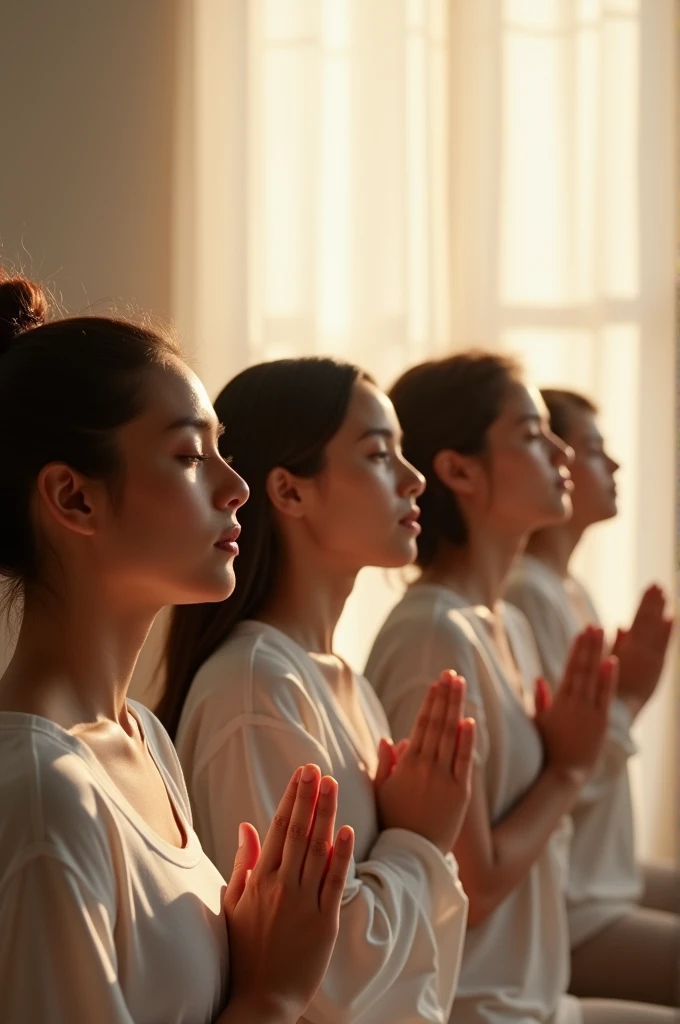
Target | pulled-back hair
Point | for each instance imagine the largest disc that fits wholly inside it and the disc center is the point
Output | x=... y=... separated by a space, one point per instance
x=276 y=414
x=448 y=404
x=65 y=387
x=561 y=404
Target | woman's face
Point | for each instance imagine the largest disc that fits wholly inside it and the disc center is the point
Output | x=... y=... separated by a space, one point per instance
x=592 y=471
x=171 y=539
x=361 y=508
x=527 y=480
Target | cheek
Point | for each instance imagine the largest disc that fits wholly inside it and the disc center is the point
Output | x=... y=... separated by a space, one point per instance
x=166 y=510
x=359 y=503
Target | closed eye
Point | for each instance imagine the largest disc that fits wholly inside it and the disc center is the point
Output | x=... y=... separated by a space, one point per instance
x=194 y=459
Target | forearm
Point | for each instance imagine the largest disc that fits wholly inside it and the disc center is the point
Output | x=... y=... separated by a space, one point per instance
x=517 y=842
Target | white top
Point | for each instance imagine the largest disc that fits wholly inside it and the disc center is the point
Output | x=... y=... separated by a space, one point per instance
x=101 y=920
x=516 y=962
x=258 y=708
x=604 y=881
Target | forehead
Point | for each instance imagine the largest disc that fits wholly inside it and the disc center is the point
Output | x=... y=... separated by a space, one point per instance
x=522 y=402
x=175 y=392
x=369 y=408
x=582 y=427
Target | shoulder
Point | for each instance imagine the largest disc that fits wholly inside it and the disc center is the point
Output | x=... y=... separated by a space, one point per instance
x=258 y=674
x=425 y=633
x=51 y=799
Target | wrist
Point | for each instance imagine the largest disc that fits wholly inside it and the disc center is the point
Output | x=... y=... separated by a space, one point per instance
x=566 y=775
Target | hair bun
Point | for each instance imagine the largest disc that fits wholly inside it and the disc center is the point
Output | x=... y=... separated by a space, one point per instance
x=22 y=305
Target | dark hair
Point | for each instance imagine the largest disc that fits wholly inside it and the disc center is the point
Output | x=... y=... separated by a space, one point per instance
x=448 y=404
x=65 y=386
x=281 y=413
x=561 y=404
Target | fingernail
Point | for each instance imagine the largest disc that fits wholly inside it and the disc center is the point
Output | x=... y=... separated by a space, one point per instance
x=345 y=834
x=241 y=836
x=308 y=772
x=326 y=784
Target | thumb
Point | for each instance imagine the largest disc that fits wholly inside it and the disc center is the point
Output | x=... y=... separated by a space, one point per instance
x=542 y=697
x=621 y=635
x=401 y=747
x=387 y=759
x=246 y=858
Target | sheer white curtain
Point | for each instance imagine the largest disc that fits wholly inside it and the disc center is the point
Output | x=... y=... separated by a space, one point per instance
x=563 y=251
x=386 y=179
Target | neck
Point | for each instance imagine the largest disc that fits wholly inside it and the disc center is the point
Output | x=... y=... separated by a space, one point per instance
x=308 y=603
x=555 y=545
x=478 y=569
x=74 y=657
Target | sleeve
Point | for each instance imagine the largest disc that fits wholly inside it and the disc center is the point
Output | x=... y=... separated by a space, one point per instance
x=57 y=954
x=403 y=915
x=550 y=632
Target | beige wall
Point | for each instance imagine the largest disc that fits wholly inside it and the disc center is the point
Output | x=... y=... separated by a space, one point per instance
x=88 y=93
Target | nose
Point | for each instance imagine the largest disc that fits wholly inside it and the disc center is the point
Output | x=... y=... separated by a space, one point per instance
x=233 y=491
x=413 y=482
x=612 y=465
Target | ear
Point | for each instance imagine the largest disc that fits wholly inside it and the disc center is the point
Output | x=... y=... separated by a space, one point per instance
x=69 y=497
x=283 y=491
x=457 y=472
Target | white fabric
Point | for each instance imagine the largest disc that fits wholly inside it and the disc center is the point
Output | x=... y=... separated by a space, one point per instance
x=604 y=881
x=516 y=963
x=101 y=920
x=258 y=708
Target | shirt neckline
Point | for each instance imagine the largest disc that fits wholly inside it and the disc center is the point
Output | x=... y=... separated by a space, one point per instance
x=186 y=856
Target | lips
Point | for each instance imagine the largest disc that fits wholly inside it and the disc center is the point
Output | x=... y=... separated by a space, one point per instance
x=227 y=541
x=410 y=521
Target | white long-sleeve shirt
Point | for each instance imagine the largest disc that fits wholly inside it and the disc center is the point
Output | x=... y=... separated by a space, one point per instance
x=604 y=880
x=258 y=708
x=101 y=920
x=515 y=963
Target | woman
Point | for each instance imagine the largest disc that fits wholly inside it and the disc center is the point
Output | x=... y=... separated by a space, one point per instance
x=609 y=898
x=254 y=685
x=494 y=472
x=115 y=502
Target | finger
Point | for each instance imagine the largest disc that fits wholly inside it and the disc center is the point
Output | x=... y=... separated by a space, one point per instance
x=245 y=860
x=454 y=713
x=574 y=661
x=590 y=670
x=320 y=843
x=617 y=646
x=334 y=882
x=387 y=759
x=435 y=725
x=421 y=722
x=272 y=847
x=462 y=763
x=401 y=748
x=606 y=684
x=542 y=697
x=300 y=826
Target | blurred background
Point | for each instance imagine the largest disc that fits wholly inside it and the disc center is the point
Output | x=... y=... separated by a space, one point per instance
x=384 y=180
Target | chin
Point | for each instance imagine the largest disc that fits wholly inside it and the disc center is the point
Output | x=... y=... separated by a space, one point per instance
x=399 y=556
x=211 y=591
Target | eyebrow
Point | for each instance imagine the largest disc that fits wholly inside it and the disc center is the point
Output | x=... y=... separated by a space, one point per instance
x=195 y=423
x=384 y=432
x=530 y=417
